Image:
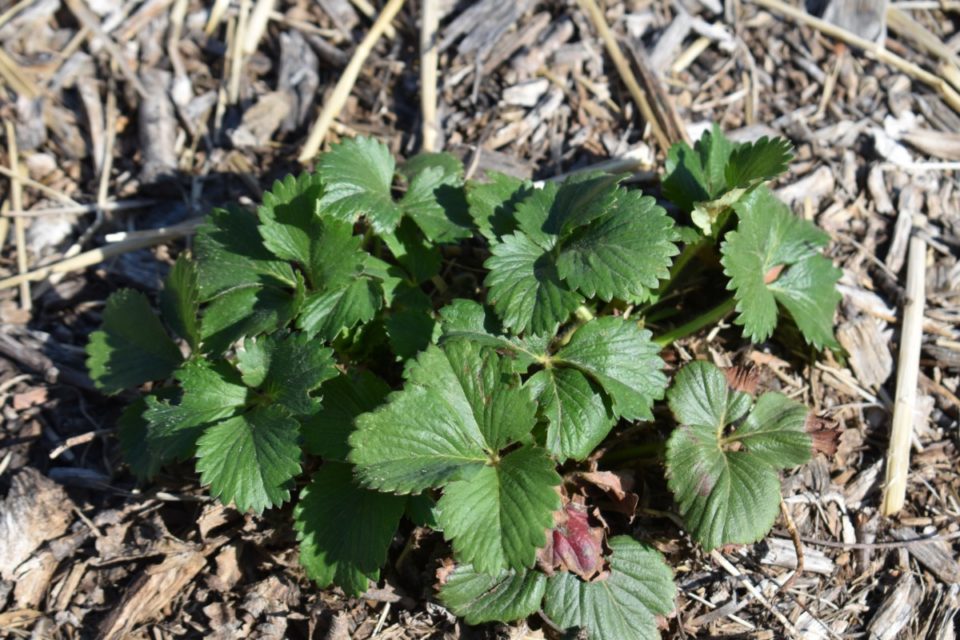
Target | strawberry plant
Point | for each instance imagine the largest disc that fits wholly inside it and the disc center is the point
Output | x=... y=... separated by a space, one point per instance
x=461 y=354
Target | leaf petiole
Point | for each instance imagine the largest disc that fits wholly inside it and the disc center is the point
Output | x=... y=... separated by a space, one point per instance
x=703 y=320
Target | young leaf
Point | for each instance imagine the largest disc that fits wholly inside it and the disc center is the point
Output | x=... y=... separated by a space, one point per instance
x=251 y=459
x=231 y=255
x=623 y=605
x=344 y=530
x=436 y=203
x=497 y=516
x=525 y=288
x=622 y=254
x=698 y=174
x=419 y=257
x=246 y=311
x=209 y=392
x=578 y=416
x=286 y=368
x=758 y=161
x=459 y=406
x=621 y=358
x=725 y=481
x=289 y=217
x=180 y=301
x=773 y=257
x=479 y=597
x=492 y=204
x=131 y=347
x=357 y=176
x=344 y=398
x=327 y=314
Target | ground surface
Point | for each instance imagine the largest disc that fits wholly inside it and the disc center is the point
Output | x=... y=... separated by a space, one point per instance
x=525 y=87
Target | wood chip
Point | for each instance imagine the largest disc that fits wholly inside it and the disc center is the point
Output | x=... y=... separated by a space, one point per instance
x=938 y=557
x=35 y=510
x=897 y=610
x=867 y=340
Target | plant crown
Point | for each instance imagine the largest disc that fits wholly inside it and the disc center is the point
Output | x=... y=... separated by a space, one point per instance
x=456 y=352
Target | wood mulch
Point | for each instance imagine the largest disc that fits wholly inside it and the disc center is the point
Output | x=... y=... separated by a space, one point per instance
x=128 y=119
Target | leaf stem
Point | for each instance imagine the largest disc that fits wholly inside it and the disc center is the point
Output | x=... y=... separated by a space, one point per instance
x=703 y=320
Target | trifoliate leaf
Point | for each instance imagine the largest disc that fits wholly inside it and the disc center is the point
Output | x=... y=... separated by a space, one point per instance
x=286 y=368
x=578 y=416
x=435 y=201
x=622 y=254
x=458 y=408
x=698 y=174
x=180 y=301
x=131 y=347
x=525 y=288
x=773 y=257
x=231 y=255
x=623 y=605
x=344 y=398
x=251 y=459
x=496 y=518
x=357 y=177
x=758 y=161
x=344 y=530
x=479 y=597
x=492 y=204
x=725 y=481
x=209 y=392
x=621 y=358
x=324 y=247
x=247 y=311
x=326 y=314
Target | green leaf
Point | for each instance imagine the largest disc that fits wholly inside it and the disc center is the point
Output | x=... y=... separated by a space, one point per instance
x=411 y=328
x=357 y=176
x=581 y=199
x=623 y=254
x=435 y=201
x=725 y=479
x=492 y=204
x=419 y=257
x=288 y=217
x=470 y=320
x=698 y=174
x=758 y=161
x=345 y=397
x=770 y=238
x=209 y=392
x=479 y=597
x=231 y=255
x=132 y=429
x=245 y=312
x=459 y=407
x=578 y=416
x=180 y=301
x=625 y=604
x=286 y=368
x=496 y=518
x=251 y=459
x=622 y=359
x=131 y=347
x=327 y=314
x=525 y=288
x=449 y=164
x=344 y=530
